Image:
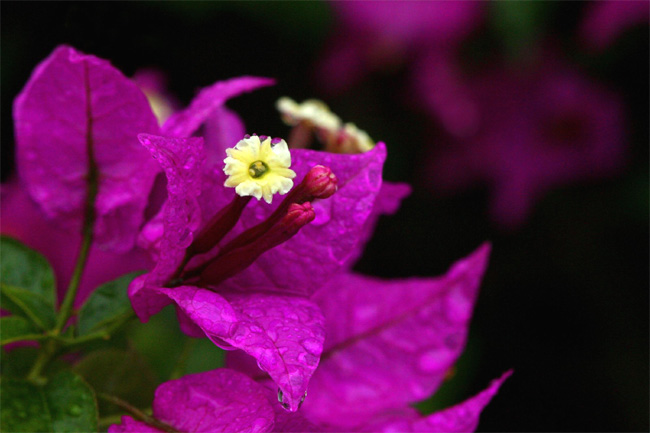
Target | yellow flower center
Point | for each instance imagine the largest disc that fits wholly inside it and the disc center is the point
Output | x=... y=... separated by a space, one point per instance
x=259 y=168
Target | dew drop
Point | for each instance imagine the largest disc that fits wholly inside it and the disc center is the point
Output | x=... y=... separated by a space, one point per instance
x=281 y=399
x=286 y=405
x=307 y=359
x=312 y=346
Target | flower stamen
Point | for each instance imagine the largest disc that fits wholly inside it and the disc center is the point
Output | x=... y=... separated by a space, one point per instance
x=257 y=169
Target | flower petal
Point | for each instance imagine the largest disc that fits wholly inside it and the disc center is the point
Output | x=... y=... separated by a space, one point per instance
x=184 y=123
x=382 y=333
x=181 y=159
x=214 y=401
x=223 y=129
x=387 y=202
x=463 y=417
x=284 y=334
x=78 y=112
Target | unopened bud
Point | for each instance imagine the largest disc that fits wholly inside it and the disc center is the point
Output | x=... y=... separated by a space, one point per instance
x=297 y=216
x=320 y=182
x=233 y=260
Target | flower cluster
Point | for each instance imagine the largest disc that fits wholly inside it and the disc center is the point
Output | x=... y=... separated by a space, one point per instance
x=271 y=282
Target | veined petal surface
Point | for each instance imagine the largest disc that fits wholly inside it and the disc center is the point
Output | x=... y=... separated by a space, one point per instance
x=181 y=159
x=79 y=114
x=284 y=334
x=382 y=333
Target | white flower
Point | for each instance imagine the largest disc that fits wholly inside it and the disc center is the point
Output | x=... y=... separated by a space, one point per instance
x=259 y=168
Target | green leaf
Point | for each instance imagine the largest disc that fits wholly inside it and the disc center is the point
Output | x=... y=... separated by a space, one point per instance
x=109 y=304
x=28 y=304
x=16 y=328
x=65 y=404
x=71 y=404
x=18 y=361
x=27 y=288
x=121 y=373
x=23 y=407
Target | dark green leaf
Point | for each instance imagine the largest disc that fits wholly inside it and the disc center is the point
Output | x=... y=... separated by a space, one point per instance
x=28 y=304
x=27 y=285
x=107 y=305
x=121 y=373
x=23 y=407
x=71 y=404
x=16 y=328
x=65 y=404
x=23 y=267
x=18 y=361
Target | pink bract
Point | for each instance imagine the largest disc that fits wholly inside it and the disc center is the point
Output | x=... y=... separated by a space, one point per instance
x=215 y=401
x=78 y=113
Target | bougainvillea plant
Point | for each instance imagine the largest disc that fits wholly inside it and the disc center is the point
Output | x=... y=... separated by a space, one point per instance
x=106 y=188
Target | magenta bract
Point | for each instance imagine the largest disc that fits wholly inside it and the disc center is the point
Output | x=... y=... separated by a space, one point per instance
x=380 y=333
x=78 y=113
x=215 y=401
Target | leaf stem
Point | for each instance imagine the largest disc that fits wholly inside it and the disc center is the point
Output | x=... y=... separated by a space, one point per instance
x=48 y=350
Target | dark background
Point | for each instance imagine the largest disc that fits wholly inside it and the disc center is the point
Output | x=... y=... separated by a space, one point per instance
x=565 y=298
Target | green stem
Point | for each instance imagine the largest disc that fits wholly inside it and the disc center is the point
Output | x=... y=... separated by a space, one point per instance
x=137 y=413
x=66 y=306
x=181 y=362
x=48 y=350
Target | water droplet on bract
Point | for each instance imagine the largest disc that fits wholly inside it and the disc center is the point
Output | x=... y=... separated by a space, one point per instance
x=75 y=410
x=312 y=346
x=285 y=405
x=281 y=399
x=307 y=359
x=302 y=400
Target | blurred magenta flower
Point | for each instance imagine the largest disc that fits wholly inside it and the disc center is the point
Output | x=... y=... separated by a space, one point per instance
x=215 y=401
x=75 y=121
x=377 y=35
x=606 y=20
x=538 y=129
